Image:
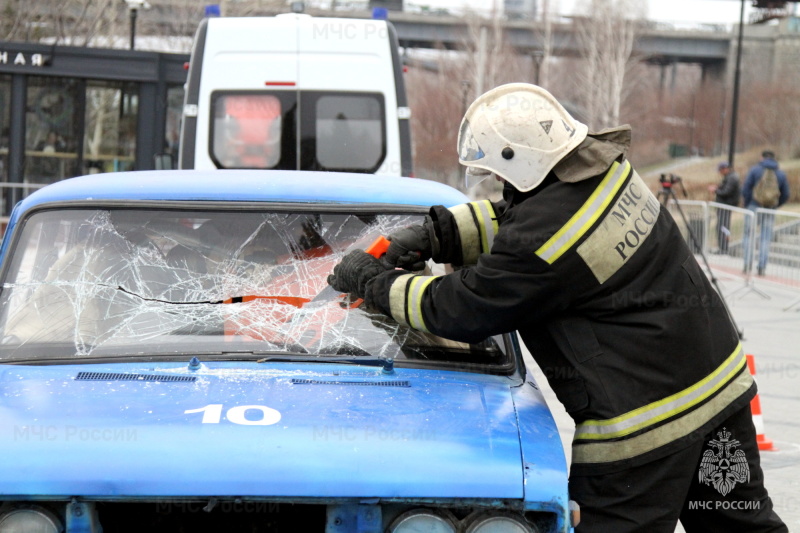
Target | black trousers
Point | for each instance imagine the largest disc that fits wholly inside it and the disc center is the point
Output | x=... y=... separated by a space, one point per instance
x=715 y=485
x=723 y=235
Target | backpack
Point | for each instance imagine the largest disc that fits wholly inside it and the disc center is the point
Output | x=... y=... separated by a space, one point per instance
x=766 y=192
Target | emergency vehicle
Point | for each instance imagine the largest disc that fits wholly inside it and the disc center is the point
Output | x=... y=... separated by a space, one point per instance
x=296 y=92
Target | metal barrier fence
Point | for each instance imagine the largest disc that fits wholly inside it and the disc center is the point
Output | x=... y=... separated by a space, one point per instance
x=776 y=246
x=730 y=228
x=691 y=217
x=763 y=243
x=11 y=194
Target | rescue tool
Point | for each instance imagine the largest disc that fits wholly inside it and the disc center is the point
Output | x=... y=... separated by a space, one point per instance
x=377 y=249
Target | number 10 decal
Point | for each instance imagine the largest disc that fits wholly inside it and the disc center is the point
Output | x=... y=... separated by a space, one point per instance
x=212 y=414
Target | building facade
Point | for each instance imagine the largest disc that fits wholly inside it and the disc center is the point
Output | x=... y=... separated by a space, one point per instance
x=68 y=111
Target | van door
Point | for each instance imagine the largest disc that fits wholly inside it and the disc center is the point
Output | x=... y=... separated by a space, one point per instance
x=296 y=92
x=341 y=56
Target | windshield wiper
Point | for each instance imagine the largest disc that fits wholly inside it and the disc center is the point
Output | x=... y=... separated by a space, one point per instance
x=386 y=362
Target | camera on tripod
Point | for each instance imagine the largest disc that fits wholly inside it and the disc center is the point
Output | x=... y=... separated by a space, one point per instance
x=668 y=180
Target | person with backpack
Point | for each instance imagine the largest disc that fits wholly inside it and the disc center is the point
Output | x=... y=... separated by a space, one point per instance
x=765 y=187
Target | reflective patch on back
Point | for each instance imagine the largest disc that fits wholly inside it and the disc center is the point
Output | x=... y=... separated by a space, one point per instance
x=621 y=232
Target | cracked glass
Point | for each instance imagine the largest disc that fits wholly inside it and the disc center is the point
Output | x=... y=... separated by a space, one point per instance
x=217 y=282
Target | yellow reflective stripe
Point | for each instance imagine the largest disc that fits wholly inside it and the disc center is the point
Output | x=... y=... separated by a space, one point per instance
x=587 y=215
x=416 y=291
x=487 y=223
x=397 y=298
x=468 y=231
x=606 y=452
x=666 y=408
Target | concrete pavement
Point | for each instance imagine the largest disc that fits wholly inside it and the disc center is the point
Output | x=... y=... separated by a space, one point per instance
x=772 y=335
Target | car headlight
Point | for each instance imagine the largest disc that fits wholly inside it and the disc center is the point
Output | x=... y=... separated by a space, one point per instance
x=498 y=522
x=419 y=520
x=30 y=520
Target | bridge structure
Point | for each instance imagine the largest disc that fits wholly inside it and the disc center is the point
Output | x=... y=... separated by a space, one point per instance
x=772 y=48
x=709 y=48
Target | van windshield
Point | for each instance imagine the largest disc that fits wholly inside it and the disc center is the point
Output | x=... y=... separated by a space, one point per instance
x=157 y=282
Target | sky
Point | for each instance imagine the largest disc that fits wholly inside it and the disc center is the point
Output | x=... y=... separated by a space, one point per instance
x=698 y=11
x=673 y=11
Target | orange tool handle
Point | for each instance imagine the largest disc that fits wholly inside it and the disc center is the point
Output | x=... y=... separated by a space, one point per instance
x=378 y=247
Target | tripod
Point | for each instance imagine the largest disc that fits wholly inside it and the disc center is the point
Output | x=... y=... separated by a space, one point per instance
x=666 y=194
x=749 y=286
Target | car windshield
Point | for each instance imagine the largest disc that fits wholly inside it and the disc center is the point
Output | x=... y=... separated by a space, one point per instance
x=123 y=282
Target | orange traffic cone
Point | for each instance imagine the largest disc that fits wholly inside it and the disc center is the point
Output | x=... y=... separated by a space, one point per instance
x=764 y=444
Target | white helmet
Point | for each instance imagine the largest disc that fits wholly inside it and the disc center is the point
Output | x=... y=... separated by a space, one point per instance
x=518 y=131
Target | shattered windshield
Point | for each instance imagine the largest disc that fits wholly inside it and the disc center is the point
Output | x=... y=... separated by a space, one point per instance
x=153 y=282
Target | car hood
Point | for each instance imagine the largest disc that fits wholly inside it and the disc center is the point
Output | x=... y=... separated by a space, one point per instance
x=248 y=429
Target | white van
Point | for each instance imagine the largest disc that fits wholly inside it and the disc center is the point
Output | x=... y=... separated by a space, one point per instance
x=296 y=92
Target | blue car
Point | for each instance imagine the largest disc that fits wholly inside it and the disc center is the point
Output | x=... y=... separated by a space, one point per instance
x=171 y=361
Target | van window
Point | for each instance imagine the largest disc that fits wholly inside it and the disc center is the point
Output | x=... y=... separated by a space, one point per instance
x=338 y=131
x=248 y=130
x=349 y=132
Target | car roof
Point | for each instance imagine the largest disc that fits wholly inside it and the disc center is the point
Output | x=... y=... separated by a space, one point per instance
x=247 y=186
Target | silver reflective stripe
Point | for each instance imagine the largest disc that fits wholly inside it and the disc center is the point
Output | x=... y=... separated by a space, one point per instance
x=663 y=409
x=468 y=231
x=606 y=452
x=487 y=224
x=589 y=212
x=416 y=292
x=397 y=298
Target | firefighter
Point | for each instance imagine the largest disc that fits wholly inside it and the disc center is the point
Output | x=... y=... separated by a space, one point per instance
x=583 y=262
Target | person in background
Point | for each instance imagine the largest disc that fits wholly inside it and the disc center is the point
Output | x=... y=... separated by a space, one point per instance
x=51 y=144
x=48 y=169
x=769 y=193
x=728 y=192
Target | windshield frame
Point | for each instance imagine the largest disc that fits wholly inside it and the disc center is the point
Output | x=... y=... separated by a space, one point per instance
x=511 y=349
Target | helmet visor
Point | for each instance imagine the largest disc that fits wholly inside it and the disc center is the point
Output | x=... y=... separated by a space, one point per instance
x=474 y=176
x=468 y=148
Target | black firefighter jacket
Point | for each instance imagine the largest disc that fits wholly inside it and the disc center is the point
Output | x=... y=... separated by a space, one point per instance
x=605 y=293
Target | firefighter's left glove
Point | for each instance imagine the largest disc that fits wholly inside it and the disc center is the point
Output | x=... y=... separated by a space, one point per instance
x=411 y=246
x=353 y=273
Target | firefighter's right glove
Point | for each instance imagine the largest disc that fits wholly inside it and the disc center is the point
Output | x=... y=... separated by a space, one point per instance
x=353 y=273
x=410 y=247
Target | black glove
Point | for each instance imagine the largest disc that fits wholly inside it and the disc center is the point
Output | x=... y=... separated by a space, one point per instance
x=354 y=271
x=410 y=247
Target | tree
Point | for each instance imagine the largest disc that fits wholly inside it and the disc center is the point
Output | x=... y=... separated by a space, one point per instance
x=440 y=93
x=543 y=59
x=74 y=22
x=606 y=37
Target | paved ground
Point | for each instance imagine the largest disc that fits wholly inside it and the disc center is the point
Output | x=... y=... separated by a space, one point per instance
x=772 y=335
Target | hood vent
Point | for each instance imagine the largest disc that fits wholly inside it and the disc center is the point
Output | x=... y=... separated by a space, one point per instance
x=112 y=376
x=355 y=383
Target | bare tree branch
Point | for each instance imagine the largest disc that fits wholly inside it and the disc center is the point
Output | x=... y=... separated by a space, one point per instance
x=607 y=38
